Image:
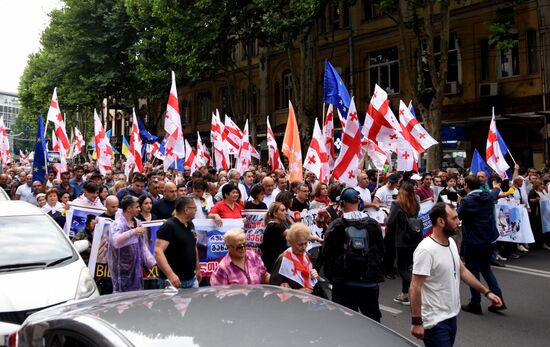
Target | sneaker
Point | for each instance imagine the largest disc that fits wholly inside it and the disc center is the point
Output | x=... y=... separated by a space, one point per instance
x=523 y=249
x=472 y=308
x=545 y=246
x=402 y=301
x=501 y=258
x=497 y=263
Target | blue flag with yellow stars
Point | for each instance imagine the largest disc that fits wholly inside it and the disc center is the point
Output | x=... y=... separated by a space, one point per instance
x=39 y=165
x=335 y=92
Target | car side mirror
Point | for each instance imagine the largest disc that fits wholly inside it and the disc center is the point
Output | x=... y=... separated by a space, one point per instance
x=81 y=245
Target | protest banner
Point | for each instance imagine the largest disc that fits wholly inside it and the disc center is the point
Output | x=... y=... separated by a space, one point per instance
x=97 y=263
x=76 y=218
x=308 y=218
x=151 y=235
x=254 y=227
x=545 y=214
x=424 y=215
x=210 y=244
x=513 y=222
x=98 y=252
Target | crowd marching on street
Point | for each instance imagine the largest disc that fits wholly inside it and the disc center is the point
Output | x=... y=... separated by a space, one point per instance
x=379 y=217
x=426 y=266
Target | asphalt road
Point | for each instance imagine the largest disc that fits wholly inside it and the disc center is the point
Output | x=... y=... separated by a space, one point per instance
x=525 y=283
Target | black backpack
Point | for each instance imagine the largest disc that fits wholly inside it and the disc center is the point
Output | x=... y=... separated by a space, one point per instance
x=362 y=260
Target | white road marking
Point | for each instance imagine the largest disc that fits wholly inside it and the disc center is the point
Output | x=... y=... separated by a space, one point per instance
x=390 y=310
x=525 y=270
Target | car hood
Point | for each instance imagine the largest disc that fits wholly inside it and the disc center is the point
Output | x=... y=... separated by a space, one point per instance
x=225 y=316
x=37 y=288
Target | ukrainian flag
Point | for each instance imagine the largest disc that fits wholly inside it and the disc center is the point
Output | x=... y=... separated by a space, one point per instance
x=125 y=147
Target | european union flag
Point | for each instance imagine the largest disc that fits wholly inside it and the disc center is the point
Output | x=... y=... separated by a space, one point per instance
x=39 y=165
x=335 y=92
x=146 y=136
x=478 y=164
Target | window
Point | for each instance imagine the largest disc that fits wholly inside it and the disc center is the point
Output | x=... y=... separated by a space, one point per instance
x=277 y=95
x=224 y=107
x=254 y=99
x=335 y=17
x=454 y=60
x=384 y=70
x=287 y=88
x=368 y=10
x=345 y=7
x=484 y=63
x=205 y=101
x=532 y=59
x=508 y=61
x=244 y=101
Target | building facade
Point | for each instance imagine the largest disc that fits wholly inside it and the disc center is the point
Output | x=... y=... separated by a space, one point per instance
x=363 y=45
x=9 y=109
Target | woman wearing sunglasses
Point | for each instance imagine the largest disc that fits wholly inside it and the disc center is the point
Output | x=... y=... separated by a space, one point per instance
x=240 y=265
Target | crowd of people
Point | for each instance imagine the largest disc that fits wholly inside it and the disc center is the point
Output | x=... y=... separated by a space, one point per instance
x=357 y=253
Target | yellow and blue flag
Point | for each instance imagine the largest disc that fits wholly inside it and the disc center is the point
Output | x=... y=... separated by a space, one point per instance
x=125 y=147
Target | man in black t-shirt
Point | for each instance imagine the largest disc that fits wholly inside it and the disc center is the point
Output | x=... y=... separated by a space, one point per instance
x=164 y=207
x=301 y=201
x=176 y=247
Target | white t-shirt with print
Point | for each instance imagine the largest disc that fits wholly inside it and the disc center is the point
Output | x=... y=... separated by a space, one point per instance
x=386 y=195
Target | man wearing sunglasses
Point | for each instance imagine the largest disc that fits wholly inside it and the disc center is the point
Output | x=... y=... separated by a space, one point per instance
x=176 y=247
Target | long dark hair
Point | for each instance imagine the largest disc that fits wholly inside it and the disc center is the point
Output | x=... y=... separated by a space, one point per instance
x=407 y=198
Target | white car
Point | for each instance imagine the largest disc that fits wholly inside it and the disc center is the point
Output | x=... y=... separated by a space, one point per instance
x=39 y=266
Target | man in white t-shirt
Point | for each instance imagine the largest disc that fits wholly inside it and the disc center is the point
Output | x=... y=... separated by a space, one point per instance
x=364 y=192
x=25 y=190
x=385 y=195
x=437 y=269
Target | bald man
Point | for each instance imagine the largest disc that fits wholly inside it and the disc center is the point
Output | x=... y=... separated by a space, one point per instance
x=269 y=184
x=164 y=207
x=111 y=206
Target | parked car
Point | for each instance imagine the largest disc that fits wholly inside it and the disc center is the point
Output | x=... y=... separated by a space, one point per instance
x=4 y=195
x=207 y=316
x=39 y=266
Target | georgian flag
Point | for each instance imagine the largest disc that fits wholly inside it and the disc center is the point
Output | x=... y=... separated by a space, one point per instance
x=413 y=131
x=55 y=116
x=494 y=156
x=56 y=146
x=375 y=153
x=407 y=157
x=221 y=153
x=233 y=136
x=244 y=154
x=201 y=157
x=190 y=158
x=134 y=160
x=346 y=166
x=383 y=127
x=207 y=156
x=298 y=268
x=274 y=156
x=175 y=147
x=104 y=151
x=23 y=158
x=316 y=159
x=78 y=142
x=328 y=134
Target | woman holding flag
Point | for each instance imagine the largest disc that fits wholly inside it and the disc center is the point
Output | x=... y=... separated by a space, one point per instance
x=293 y=268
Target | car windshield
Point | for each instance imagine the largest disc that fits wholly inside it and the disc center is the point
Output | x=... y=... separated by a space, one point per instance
x=31 y=240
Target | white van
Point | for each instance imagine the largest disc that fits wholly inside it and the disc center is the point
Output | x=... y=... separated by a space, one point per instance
x=39 y=266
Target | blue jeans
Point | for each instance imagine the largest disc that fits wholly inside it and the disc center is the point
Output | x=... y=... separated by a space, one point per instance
x=442 y=334
x=191 y=283
x=478 y=261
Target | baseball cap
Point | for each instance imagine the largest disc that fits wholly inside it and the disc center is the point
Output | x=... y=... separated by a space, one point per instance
x=393 y=178
x=349 y=195
x=416 y=177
